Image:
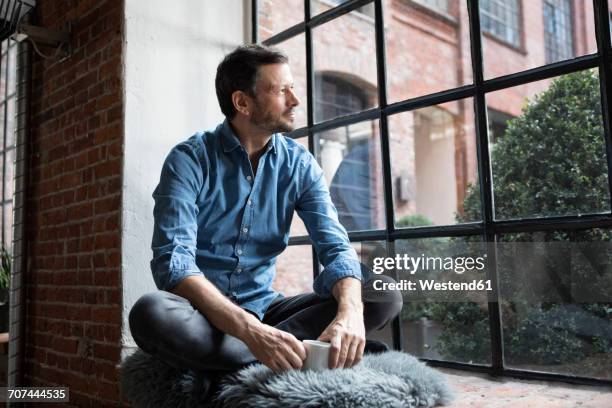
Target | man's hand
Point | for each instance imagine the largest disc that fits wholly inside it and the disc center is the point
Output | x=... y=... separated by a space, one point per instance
x=346 y=332
x=275 y=348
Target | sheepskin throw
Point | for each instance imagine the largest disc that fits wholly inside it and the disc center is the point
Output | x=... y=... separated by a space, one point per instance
x=389 y=379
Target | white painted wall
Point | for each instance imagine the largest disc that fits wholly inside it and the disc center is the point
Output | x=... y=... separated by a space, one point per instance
x=171 y=55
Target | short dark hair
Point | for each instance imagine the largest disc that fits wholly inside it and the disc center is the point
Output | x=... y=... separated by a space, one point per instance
x=238 y=72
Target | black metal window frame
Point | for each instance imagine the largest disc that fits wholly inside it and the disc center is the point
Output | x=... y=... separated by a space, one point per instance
x=488 y=228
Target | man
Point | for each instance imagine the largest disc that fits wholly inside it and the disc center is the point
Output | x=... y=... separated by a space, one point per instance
x=223 y=208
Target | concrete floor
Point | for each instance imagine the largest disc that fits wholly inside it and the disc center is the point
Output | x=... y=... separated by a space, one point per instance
x=482 y=391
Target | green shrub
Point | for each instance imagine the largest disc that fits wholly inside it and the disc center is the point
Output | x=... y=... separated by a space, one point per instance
x=550 y=161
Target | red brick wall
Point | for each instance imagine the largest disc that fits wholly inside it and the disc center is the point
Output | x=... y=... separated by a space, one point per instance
x=73 y=290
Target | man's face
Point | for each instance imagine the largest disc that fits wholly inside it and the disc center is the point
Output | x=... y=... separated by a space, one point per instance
x=275 y=100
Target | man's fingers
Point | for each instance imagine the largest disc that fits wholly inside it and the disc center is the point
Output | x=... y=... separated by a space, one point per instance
x=352 y=354
x=282 y=364
x=360 y=349
x=334 y=353
x=298 y=347
x=344 y=351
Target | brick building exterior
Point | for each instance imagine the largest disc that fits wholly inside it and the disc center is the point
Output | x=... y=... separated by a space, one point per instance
x=427 y=42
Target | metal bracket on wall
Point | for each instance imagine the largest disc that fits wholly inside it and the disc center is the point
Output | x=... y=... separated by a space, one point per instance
x=59 y=40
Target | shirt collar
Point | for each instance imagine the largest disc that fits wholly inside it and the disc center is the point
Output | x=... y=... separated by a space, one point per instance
x=230 y=141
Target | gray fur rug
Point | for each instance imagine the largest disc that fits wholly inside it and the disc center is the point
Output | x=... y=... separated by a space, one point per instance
x=390 y=379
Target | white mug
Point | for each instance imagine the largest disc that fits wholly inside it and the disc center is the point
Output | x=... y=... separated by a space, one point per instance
x=317 y=355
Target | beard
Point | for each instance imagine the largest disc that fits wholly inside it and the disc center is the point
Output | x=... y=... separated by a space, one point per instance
x=266 y=120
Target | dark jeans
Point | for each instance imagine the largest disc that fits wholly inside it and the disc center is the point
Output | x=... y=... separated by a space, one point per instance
x=169 y=327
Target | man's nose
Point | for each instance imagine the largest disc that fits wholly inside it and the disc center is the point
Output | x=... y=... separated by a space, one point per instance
x=293 y=99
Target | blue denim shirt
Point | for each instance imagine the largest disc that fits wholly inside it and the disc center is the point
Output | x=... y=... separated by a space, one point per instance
x=214 y=217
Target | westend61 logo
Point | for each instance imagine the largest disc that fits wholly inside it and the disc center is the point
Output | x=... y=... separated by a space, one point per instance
x=413 y=264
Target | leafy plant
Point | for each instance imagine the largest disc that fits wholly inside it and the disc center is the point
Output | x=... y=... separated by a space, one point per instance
x=5 y=268
x=550 y=161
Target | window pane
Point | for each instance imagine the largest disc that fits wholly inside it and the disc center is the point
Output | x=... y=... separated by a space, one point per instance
x=3 y=61
x=425 y=53
x=274 y=16
x=434 y=165
x=556 y=301
x=368 y=251
x=442 y=324
x=297 y=225
x=558 y=30
x=10 y=121
x=345 y=70
x=3 y=187
x=12 y=68
x=295 y=48
x=10 y=174
x=294 y=270
x=520 y=35
x=351 y=163
x=8 y=225
x=549 y=158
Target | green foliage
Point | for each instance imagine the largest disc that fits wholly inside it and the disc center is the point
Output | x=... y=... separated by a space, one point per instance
x=416 y=220
x=465 y=331
x=5 y=268
x=550 y=161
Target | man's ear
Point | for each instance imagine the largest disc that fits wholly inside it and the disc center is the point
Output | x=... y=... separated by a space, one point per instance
x=242 y=102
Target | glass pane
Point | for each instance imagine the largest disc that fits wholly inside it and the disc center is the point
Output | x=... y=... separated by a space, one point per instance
x=274 y=16
x=547 y=148
x=520 y=35
x=8 y=225
x=434 y=165
x=610 y=19
x=424 y=51
x=368 y=251
x=350 y=159
x=298 y=228
x=10 y=174
x=3 y=105
x=294 y=270
x=345 y=67
x=295 y=48
x=3 y=186
x=10 y=121
x=442 y=324
x=556 y=301
x=3 y=61
x=12 y=69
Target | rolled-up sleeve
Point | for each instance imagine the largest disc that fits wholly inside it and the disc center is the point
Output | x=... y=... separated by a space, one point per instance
x=175 y=217
x=315 y=208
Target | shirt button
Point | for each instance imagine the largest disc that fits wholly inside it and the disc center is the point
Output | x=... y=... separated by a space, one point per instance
x=249 y=178
x=239 y=270
x=239 y=252
x=249 y=202
x=234 y=294
x=245 y=230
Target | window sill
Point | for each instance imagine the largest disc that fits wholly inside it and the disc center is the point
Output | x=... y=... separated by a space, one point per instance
x=519 y=49
x=481 y=390
x=433 y=12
